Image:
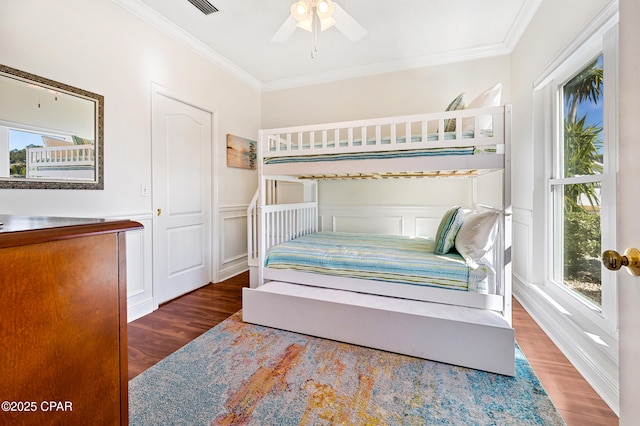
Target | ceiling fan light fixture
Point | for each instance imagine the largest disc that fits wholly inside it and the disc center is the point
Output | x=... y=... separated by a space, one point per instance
x=327 y=23
x=316 y=16
x=304 y=12
x=305 y=24
x=301 y=11
x=324 y=24
x=324 y=9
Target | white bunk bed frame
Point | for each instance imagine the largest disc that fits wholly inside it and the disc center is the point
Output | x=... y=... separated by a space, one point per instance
x=462 y=328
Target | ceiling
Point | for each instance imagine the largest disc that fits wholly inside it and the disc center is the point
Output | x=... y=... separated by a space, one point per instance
x=400 y=35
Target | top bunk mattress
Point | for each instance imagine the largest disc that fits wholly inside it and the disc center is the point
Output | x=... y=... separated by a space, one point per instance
x=389 y=258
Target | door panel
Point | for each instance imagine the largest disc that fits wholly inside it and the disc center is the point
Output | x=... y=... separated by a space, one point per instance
x=186 y=247
x=629 y=205
x=184 y=164
x=182 y=136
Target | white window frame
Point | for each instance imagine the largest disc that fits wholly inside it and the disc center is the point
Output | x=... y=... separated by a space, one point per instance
x=600 y=37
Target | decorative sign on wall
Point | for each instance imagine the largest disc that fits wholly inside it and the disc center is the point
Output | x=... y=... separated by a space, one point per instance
x=241 y=152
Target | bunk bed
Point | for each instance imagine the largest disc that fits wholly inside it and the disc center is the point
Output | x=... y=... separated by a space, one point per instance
x=458 y=321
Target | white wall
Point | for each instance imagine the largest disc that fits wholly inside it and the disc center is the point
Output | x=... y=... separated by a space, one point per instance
x=98 y=46
x=400 y=93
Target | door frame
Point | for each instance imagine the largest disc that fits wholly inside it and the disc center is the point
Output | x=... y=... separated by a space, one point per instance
x=160 y=90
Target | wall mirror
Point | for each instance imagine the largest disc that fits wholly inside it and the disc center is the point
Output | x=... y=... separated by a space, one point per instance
x=51 y=134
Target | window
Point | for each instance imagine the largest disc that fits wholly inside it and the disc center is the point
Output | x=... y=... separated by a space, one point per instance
x=576 y=184
x=581 y=93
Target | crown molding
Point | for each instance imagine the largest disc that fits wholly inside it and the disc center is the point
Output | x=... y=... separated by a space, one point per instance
x=159 y=22
x=521 y=23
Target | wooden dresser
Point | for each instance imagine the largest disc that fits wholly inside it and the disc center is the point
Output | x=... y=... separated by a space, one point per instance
x=63 y=321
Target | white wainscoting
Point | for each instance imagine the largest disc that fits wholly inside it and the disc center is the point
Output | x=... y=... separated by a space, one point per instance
x=231 y=246
x=232 y=258
x=522 y=228
x=394 y=220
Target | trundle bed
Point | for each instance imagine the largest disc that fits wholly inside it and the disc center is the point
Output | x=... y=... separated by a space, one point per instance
x=410 y=294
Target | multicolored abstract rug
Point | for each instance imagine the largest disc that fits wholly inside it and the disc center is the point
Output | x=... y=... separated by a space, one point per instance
x=243 y=374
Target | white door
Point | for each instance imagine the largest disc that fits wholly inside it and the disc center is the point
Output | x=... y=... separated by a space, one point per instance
x=629 y=206
x=181 y=147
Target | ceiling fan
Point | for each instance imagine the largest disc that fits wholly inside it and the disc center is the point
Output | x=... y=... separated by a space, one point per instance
x=316 y=16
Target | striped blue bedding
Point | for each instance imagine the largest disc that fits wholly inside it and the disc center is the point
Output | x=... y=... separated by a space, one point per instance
x=388 y=258
x=467 y=150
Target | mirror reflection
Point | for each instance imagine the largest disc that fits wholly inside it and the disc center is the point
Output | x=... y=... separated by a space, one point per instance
x=50 y=134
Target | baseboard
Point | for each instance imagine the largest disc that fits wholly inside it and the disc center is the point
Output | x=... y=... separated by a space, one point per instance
x=140 y=310
x=232 y=271
x=594 y=364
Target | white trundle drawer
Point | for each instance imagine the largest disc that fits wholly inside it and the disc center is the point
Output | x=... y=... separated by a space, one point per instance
x=468 y=337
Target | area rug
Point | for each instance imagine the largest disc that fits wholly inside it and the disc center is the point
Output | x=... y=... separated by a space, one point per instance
x=243 y=374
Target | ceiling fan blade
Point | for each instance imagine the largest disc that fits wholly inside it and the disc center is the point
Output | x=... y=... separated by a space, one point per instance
x=285 y=31
x=349 y=26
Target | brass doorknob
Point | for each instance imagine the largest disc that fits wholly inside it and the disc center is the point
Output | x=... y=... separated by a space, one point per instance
x=613 y=260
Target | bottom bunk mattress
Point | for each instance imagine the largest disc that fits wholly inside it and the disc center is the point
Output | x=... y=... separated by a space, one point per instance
x=387 y=258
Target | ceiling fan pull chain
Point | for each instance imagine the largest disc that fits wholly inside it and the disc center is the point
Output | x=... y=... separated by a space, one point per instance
x=315 y=24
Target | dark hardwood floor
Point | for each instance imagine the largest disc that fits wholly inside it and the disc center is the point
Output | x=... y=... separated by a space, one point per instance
x=176 y=323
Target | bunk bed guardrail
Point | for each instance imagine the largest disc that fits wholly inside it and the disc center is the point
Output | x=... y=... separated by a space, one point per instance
x=479 y=127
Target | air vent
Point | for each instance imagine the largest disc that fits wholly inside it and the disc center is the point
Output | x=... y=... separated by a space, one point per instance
x=204 y=6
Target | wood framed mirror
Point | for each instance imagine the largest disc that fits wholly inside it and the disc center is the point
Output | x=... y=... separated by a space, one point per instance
x=51 y=134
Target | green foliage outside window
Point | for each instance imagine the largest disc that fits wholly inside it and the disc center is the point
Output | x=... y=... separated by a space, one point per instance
x=583 y=157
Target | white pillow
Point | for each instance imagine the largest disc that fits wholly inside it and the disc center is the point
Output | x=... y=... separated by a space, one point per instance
x=476 y=236
x=488 y=98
